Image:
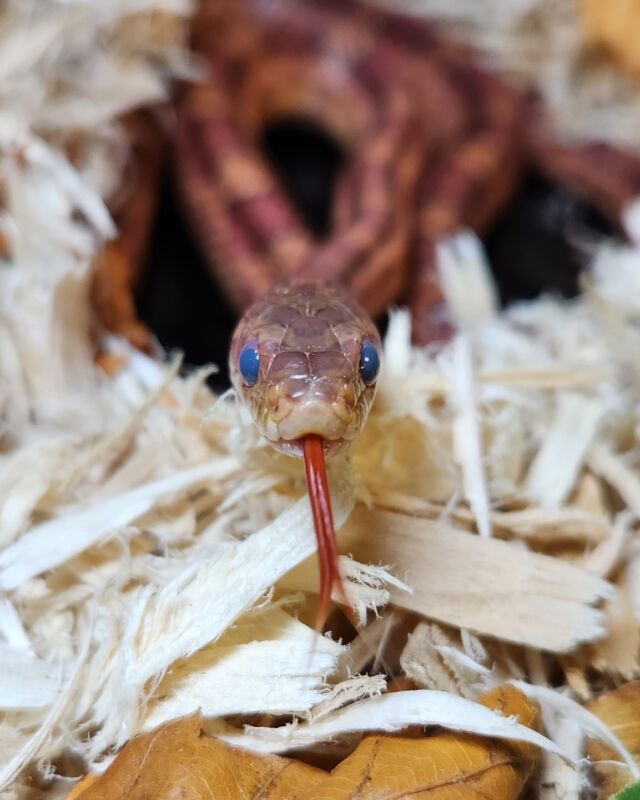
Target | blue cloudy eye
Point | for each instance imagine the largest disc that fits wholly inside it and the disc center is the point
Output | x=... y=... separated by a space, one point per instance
x=369 y=363
x=249 y=364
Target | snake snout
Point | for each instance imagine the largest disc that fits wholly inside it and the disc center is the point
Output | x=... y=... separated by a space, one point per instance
x=331 y=421
x=322 y=405
x=310 y=393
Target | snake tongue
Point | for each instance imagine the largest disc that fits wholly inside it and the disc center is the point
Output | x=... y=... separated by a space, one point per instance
x=320 y=500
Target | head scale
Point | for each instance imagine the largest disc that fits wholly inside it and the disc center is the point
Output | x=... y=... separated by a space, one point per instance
x=305 y=359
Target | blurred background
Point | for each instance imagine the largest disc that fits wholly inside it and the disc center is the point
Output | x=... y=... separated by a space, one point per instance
x=546 y=93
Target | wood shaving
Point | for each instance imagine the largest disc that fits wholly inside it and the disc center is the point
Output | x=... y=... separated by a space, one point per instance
x=433 y=659
x=393 y=712
x=555 y=702
x=559 y=780
x=492 y=587
x=554 y=469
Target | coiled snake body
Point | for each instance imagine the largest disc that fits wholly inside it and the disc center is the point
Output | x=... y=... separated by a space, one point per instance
x=433 y=143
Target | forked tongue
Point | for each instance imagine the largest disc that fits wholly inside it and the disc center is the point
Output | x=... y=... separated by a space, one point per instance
x=320 y=500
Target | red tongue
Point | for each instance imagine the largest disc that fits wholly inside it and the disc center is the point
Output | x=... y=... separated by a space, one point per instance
x=323 y=521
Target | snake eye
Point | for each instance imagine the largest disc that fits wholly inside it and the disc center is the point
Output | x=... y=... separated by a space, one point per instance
x=249 y=364
x=369 y=363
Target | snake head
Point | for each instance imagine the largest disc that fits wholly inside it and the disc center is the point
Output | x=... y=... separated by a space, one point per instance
x=305 y=359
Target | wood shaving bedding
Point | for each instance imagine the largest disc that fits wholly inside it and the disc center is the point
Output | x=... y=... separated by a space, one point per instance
x=150 y=539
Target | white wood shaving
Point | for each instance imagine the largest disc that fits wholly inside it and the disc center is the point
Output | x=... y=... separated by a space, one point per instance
x=558 y=780
x=392 y=712
x=249 y=671
x=557 y=464
x=26 y=681
x=466 y=434
x=11 y=627
x=464 y=273
x=556 y=703
x=57 y=541
x=349 y=690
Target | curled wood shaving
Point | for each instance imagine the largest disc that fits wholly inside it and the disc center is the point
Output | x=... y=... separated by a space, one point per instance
x=590 y=723
x=392 y=712
x=446 y=764
x=433 y=659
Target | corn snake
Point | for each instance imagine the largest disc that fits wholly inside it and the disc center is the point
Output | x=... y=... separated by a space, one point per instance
x=434 y=143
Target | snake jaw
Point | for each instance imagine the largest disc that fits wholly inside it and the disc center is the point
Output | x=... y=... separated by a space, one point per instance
x=330 y=420
x=295 y=447
x=337 y=423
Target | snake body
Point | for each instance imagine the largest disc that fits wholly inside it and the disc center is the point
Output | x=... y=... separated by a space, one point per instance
x=433 y=143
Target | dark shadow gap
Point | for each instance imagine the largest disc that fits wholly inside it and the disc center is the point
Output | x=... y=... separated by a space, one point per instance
x=543 y=241
x=307 y=162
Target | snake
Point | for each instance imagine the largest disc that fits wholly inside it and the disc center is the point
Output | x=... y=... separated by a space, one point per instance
x=305 y=360
x=434 y=143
